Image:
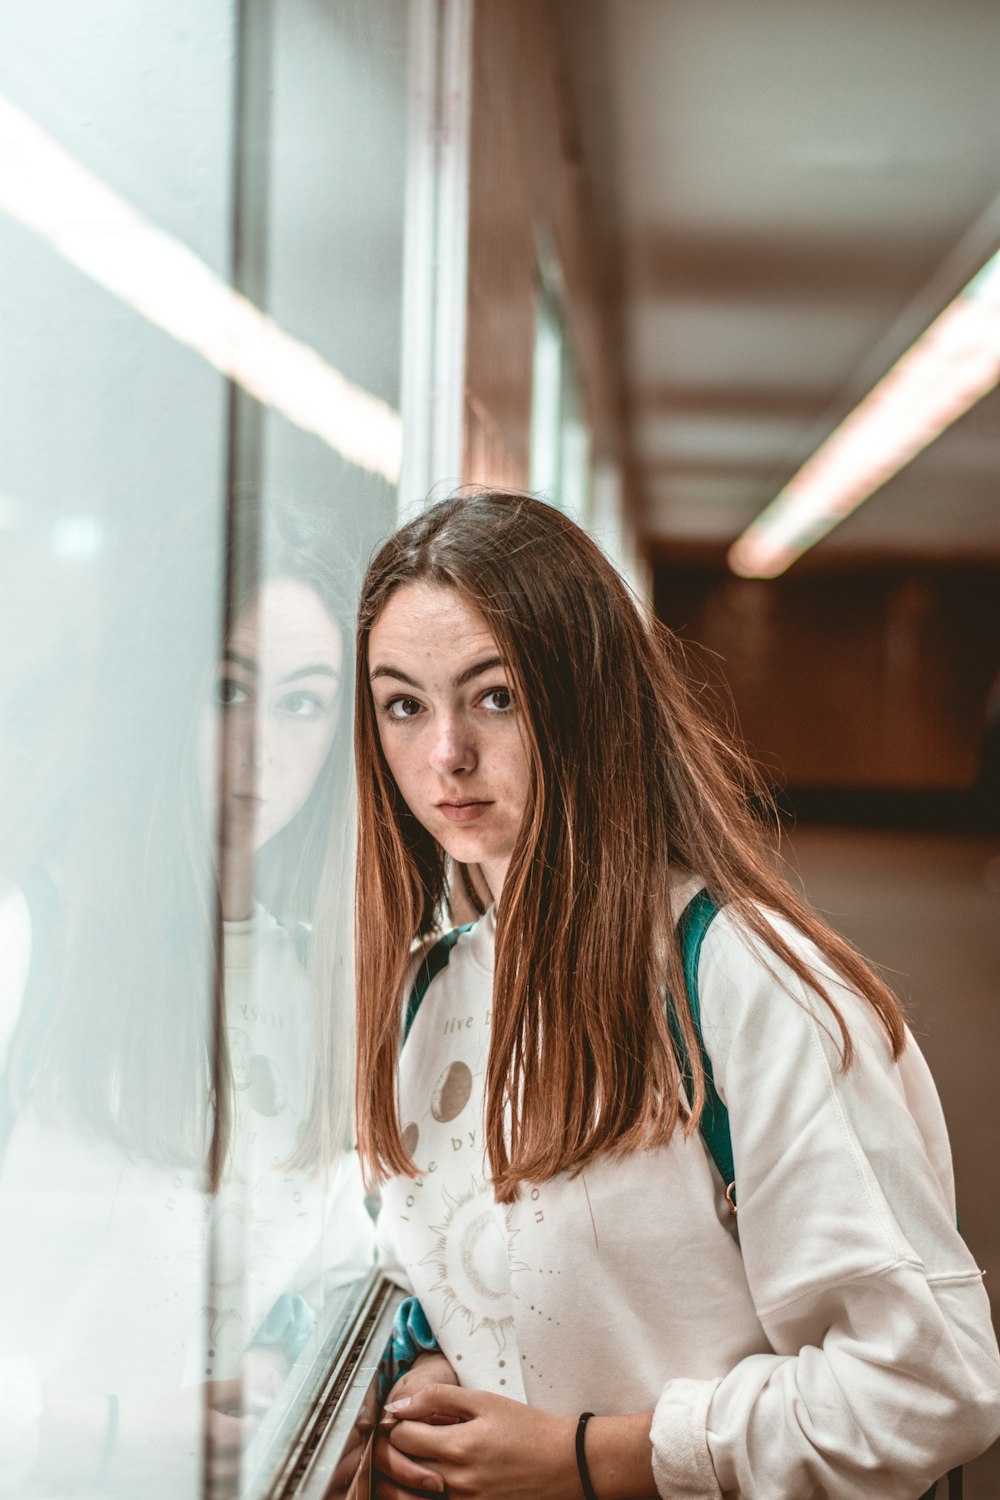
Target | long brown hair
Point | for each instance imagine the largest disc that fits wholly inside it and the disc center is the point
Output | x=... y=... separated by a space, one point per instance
x=630 y=779
x=121 y=1036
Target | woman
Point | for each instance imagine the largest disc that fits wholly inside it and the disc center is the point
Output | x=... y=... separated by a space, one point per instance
x=548 y=1193
x=178 y=1194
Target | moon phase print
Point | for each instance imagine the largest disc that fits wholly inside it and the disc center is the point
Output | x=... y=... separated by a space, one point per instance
x=451 y=1092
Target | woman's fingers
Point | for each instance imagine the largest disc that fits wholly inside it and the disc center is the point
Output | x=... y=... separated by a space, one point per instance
x=226 y=1434
x=451 y=1402
x=384 y=1490
x=224 y=1395
x=419 y=1440
x=399 y=1468
x=416 y=1429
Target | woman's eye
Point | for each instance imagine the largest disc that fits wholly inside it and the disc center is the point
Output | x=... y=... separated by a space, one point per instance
x=498 y=700
x=302 y=705
x=232 y=694
x=402 y=708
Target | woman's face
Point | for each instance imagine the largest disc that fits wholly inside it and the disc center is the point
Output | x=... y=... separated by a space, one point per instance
x=449 y=726
x=277 y=693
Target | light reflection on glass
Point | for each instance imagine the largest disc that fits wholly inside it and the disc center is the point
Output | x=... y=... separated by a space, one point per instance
x=180 y=1209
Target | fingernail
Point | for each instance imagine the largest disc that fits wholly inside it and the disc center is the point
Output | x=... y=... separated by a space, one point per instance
x=397 y=1405
x=433 y=1482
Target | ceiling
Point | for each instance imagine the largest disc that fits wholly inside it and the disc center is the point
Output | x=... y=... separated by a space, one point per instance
x=787 y=192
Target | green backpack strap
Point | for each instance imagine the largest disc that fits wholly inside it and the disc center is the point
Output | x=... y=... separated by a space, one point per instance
x=434 y=960
x=695 y=921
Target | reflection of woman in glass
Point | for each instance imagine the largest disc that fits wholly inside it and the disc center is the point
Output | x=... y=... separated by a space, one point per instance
x=177 y=1195
x=549 y=1196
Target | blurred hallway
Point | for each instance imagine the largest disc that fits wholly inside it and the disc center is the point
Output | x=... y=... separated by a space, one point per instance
x=926 y=908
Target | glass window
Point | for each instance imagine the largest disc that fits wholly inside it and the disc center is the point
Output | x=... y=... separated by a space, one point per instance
x=201 y=228
x=546 y=397
x=560 y=437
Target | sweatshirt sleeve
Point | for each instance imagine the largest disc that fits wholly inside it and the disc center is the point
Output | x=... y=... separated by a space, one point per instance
x=15 y=961
x=884 y=1372
x=21 y=1396
x=21 y=1409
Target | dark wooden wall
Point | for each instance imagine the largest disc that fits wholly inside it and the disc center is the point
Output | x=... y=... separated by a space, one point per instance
x=528 y=188
x=873 y=679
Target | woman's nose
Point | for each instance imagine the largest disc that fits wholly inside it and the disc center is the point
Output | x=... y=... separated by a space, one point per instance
x=248 y=745
x=452 y=750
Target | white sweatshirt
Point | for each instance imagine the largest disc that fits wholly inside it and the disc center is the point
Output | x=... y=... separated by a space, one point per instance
x=841 y=1347
x=104 y=1259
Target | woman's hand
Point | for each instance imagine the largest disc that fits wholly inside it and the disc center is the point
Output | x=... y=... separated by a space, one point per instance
x=159 y=1444
x=483 y=1447
x=486 y=1447
x=263 y=1371
x=397 y=1475
x=161 y=1439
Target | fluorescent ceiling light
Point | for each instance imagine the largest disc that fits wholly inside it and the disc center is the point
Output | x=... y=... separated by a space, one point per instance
x=949 y=368
x=48 y=191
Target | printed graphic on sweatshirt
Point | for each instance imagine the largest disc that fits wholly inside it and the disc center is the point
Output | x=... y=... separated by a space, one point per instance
x=451 y=1092
x=474 y=1258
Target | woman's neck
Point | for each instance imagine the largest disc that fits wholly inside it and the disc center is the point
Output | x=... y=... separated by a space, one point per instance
x=236 y=883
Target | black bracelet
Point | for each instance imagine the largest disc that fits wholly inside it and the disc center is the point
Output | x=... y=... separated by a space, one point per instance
x=109 y=1443
x=581 y=1457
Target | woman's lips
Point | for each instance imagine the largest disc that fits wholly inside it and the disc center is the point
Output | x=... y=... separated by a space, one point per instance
x=463 y=812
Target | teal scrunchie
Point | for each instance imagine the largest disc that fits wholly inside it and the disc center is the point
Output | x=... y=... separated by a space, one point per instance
x=288 y=1326
x=411 y=1336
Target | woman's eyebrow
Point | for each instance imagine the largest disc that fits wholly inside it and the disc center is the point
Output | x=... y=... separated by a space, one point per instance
x=476 y=670
x=246 y=662
x=387 y=671
x=315 y=669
